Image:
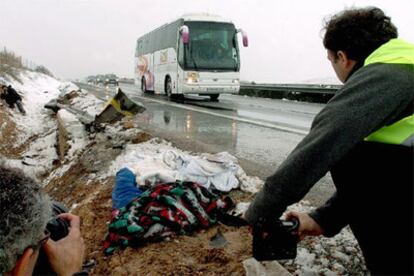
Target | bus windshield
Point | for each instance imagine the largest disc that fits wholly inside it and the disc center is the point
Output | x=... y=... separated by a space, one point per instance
x=212 y=46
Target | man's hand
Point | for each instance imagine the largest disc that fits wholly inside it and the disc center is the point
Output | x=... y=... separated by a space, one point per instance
x=307 y=225
x=66 y=255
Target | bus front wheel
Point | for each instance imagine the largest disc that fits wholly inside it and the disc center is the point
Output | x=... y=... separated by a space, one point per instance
x=214 y=97
x=144 y=85
x=168 y=87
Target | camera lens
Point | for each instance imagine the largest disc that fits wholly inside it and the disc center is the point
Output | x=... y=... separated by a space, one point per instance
x=58 y=228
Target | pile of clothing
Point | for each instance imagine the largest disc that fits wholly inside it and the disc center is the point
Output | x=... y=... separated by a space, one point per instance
x=163 y=210
x=218 y=171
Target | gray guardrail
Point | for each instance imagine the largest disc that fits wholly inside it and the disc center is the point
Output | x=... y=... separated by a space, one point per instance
x=129 y=81
x=319 y=93
x=302 y=88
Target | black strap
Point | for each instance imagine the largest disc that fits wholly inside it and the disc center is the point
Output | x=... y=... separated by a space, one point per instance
x=230 y=220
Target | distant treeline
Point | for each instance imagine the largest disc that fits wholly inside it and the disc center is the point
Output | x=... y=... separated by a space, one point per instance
x=11 y=63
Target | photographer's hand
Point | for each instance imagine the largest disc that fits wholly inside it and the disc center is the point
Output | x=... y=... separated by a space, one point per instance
x=307 y=225
x=66 y=255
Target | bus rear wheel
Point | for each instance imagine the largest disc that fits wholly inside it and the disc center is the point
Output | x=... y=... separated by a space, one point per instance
x=214 y=97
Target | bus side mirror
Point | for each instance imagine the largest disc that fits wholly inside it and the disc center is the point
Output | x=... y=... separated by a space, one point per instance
x=245 y=38
x=185 y=34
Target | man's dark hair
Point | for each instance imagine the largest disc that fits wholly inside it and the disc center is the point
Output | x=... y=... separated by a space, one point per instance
x=358 y=32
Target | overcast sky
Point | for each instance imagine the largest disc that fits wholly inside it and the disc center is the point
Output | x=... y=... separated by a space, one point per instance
x=76 y=38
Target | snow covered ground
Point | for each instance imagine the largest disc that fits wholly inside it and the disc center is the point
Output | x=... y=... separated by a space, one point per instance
x=36 y=90
x=316 y=256
x=39 y=124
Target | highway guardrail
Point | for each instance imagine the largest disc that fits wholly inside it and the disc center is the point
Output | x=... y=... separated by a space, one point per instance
x=319 y=93
x=302 y=88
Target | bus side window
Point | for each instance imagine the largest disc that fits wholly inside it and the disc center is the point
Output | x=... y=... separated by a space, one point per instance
x=137 y=48
x=140 y=48
x=181 y=53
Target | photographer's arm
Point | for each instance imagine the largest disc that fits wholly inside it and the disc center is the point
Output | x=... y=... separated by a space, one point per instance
x=66 y=255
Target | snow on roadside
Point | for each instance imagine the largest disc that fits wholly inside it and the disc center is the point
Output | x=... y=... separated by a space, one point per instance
x=87 y=102
x=36 y=90
x=39 y=157
x=78 y=136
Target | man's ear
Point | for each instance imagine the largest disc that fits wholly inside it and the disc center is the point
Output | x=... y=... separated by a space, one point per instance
x=346 y=62
x=342 y=56
x=22 y=263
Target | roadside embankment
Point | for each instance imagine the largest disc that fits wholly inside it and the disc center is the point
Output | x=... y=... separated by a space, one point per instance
x=82 y=176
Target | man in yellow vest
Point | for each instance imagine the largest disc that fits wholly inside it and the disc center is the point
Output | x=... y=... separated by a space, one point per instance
x=365 y=137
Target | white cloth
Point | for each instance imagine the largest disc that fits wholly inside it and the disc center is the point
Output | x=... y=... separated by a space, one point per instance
x=210 y=170
x=152 y=171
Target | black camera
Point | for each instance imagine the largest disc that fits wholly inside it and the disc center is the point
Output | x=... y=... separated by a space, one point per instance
x=275 y=240
x=58 y=229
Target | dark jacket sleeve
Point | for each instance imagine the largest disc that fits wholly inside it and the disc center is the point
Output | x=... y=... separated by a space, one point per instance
x=369 y=100
x=332 y=216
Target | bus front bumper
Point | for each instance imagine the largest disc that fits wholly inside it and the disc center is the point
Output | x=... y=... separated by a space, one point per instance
x=204 y=89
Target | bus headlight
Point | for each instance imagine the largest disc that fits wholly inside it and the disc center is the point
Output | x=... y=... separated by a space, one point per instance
x=191 y=80
x=236 y=81
x=192 y=77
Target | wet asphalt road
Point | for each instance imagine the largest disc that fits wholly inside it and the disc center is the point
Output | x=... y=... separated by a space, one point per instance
x=259 y=132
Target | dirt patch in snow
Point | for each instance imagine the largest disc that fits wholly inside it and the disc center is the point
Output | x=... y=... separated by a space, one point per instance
x=10 y=144
x=8 y=134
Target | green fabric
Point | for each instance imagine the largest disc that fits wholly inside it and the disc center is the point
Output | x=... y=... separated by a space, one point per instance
x=396 y=51
x=164 y=210
x=134 y=228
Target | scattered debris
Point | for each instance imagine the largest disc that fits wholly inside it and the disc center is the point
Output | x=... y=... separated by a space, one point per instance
x=218 y=240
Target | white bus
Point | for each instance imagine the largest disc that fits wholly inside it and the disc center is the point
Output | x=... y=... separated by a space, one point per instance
x=195 y=54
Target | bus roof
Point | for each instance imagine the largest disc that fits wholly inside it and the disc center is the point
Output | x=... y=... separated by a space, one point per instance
x=192 y=17
x=204 y=17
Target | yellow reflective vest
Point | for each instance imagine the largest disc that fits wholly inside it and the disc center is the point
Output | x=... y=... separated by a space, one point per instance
x=396 y=51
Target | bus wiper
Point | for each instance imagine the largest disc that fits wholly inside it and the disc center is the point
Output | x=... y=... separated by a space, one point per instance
x=235 y=62
x=236 y=54
x=192 y=57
